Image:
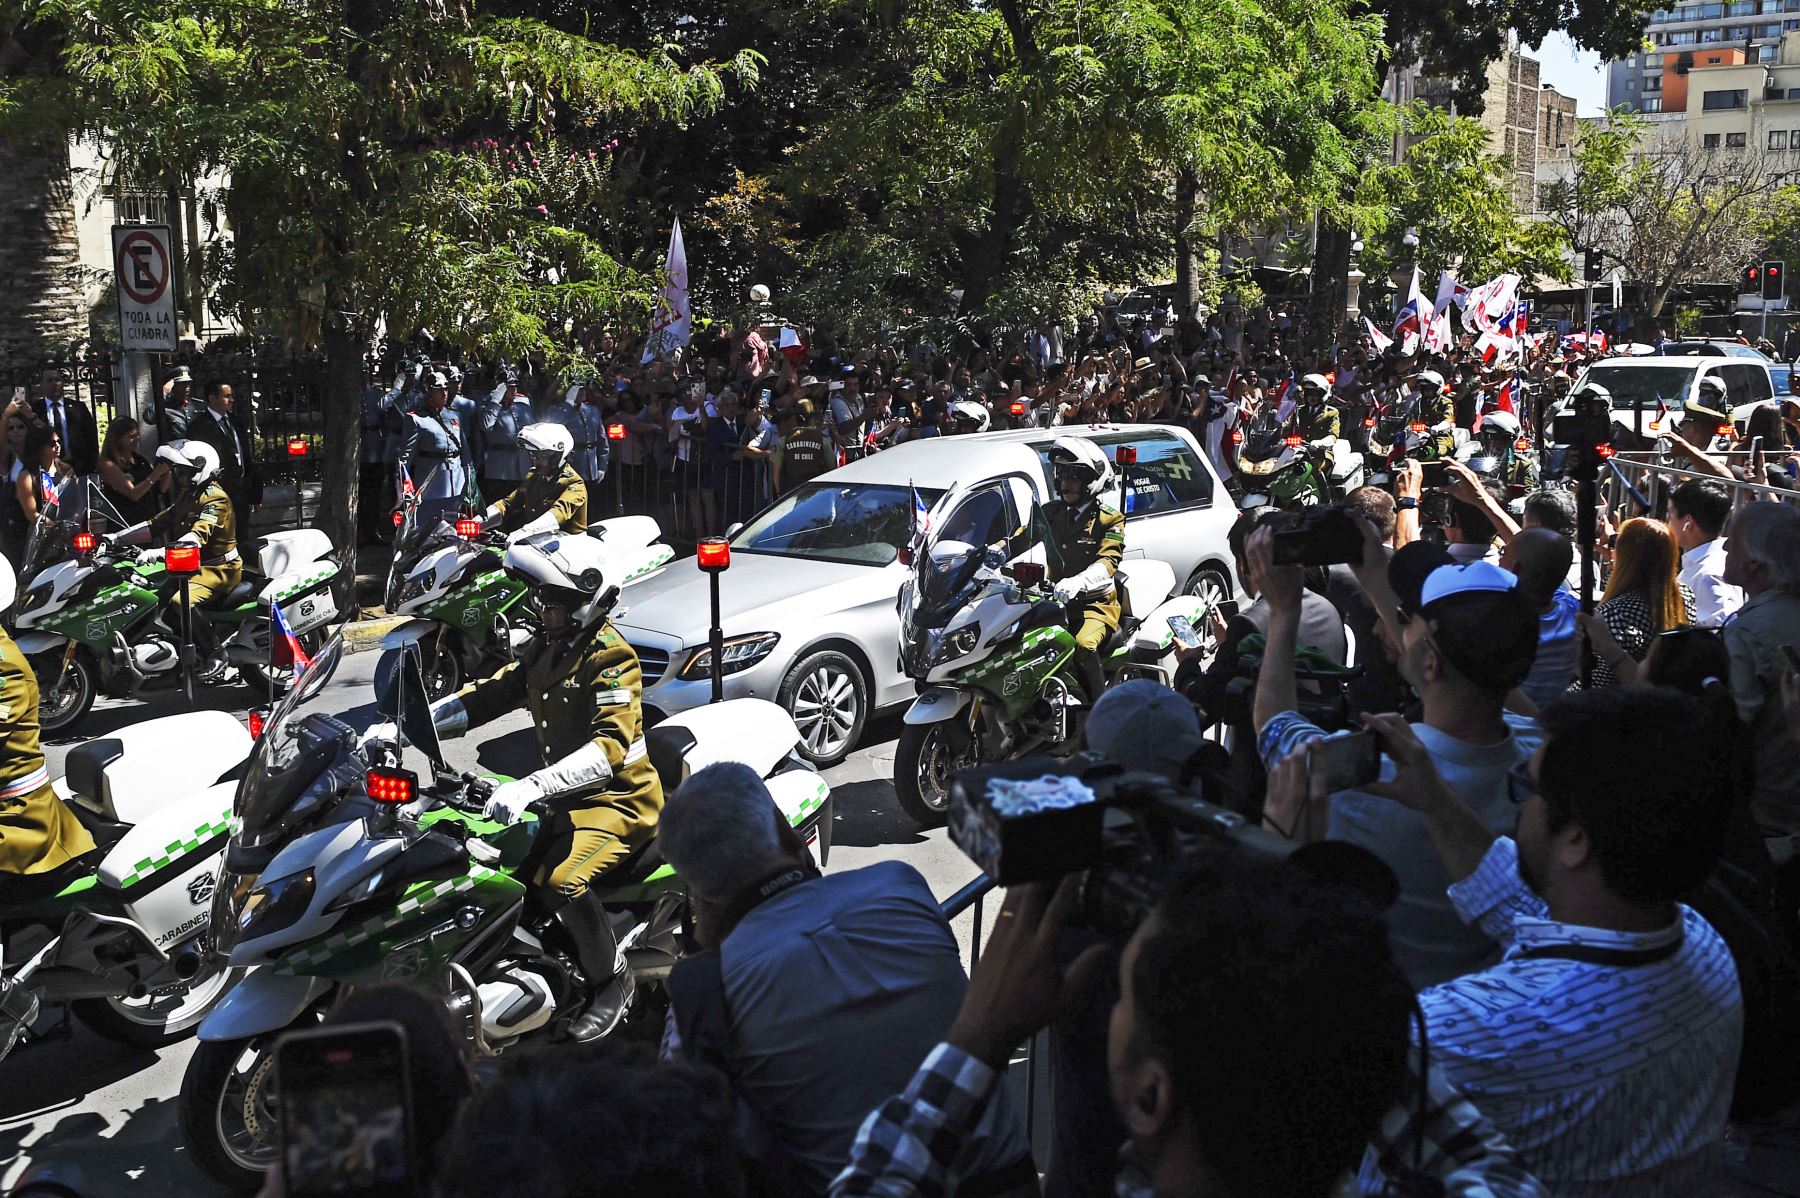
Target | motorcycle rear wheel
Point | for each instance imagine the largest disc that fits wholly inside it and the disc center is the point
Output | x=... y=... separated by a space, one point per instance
x=259 y=676
x=924 y=763
x=148 y=1023
x=64 y=696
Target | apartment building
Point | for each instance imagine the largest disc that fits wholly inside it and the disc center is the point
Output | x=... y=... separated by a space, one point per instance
x=1724 y=102
x=1754 y=28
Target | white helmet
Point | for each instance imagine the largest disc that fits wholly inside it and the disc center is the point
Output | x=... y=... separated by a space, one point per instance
x=197 y=456
x=1431 y=378
x=1316 y=380
x=565 y=569
x=1502 y=421
x=1714 y=384
x=1081 y=458
x=970 y=417
x=547 y=444
x=1594 y=391
x=9 y=586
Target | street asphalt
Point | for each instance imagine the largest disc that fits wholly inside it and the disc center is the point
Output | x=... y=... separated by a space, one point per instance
x=111 y=1110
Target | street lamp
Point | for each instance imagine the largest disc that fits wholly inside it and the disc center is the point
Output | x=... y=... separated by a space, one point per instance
x=1353 y=281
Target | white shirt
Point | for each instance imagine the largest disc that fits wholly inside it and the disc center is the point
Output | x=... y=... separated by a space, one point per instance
x=1703 y=569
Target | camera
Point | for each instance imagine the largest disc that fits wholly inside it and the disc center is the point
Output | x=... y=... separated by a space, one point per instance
x=1123 y=831
x=1316 y=536
x=1577 y=435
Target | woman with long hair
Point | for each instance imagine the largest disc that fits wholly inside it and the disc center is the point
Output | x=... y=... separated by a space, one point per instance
x=15 y=423
x=131 y=483
x=45 y=473
x=1644 y=595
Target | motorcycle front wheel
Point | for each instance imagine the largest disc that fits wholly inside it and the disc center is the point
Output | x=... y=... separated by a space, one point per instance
x=281 y=677
x=924 y=764
x=229 y=1118
x=64 y=695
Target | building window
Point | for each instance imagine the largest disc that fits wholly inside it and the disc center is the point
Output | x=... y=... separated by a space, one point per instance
x=1709 y=141
x=134 y=207
x=1769 y=30
x=1651 y=104
x=1723 y=100
x=1734 y=141
x=1742 y=8
x=1790 y=25
x=1778 y=139
x=1631 y=85
x=1767 y=53
x=1652 y=83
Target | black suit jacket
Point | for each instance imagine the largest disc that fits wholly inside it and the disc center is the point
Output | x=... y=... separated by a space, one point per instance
x=237 y=474
x=82 y=447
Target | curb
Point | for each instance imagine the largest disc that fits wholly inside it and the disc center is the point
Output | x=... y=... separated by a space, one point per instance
x=367 y=634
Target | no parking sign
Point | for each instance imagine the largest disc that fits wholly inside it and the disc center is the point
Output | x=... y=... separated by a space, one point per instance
x=143 y=268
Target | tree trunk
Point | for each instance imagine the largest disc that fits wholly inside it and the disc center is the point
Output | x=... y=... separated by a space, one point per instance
x=41 y=309
x=1330 y=282
x=1187 y=280
x=343 y=443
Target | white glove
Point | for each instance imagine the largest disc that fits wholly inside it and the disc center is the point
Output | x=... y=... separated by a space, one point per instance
x=384 y=731
x=508 y=802
x=1068 y=589
x=147 y=556
x=544 y=523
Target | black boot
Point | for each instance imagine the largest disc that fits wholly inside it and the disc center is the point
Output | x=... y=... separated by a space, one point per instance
x=18 y=1011
x=610 y=983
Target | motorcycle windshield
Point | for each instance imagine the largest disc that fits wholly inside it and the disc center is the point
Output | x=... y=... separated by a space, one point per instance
x=968 y=533
x=281 y=768
x=1264 y=438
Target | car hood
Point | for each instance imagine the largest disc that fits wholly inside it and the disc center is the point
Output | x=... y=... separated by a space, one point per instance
x=760 y=592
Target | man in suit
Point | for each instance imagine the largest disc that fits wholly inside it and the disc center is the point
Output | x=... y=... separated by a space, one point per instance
x=216 y=425
x=70 y=419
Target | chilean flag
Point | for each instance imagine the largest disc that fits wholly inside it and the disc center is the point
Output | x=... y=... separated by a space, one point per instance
x=1284 y=396
x=1409 y=322
x=921 y=517
x=284 y=646
x=1502 y=401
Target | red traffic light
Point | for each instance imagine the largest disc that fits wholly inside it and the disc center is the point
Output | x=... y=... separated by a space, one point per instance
x=1604 y=450
x=615 y=432
x=1237 y=436
x=1724 y=430
x=390 y=786
x=182 y=559
x=296 y=447
x=468 y=529
x=714 y=554
x=1028 y=573
x=84 y=541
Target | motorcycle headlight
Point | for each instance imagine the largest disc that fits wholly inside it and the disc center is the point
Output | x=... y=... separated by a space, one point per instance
x=36 y=597
x=270 y=908
x=741 y=652
x=412 y=588
x=956 y=644
x=357 y=893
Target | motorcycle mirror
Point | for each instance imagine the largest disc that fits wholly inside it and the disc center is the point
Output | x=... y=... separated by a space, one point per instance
x=1028 y=573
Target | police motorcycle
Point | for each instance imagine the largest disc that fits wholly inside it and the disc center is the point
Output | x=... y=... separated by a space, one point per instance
x=95 y=617
x=1397 y=431
x=467 y=614
x=350 y=870
x=1499 y=451
x=986 y=640
x=116 y=935
x=1276 y=466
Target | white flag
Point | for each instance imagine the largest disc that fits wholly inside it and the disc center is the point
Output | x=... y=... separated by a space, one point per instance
x=1380 y=339
x=673 y=323
x=1492 y=302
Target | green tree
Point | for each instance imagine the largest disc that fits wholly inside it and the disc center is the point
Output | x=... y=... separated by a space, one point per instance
x=381 y=163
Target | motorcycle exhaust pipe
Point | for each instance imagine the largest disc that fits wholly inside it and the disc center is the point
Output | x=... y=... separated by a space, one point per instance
x=187 y=964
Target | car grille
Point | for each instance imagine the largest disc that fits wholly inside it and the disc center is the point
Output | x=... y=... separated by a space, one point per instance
x=652 y=663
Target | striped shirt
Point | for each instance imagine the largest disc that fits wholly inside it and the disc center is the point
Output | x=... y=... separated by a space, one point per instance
x=1609 y=1079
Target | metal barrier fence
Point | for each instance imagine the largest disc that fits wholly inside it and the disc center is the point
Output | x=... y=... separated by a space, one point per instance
x=1645 y=480
x=972 y=897
x=89 y=379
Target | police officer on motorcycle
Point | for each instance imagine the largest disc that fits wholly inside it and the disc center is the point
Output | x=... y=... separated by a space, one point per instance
x=553 y=496
x=581 y=683
x=1499 y=437
x=1319 y=421
x=199 y=514
x=38 y=831
x=1437 y=410
x=1086 y=545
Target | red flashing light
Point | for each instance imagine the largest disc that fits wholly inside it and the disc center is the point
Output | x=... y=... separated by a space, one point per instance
x=1417 y=426
x=615 y=432
x=1028 y=573
x=1017 y=408
x=1125 y=455
x=1237 y=436
x=398 y=518
x=1605 y=451
x=182 y=559
x=390 y=786
x=1522 y=445
x=256 y=723
x=1292 y=441
x=1368 y=422
x=1724 y=430
x=714 y=554
x=84 y=541
x=468 y=529
x=296 y=447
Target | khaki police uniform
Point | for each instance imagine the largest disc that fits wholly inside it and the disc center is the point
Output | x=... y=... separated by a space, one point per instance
x=565 y=496
x=1436 y=410
x=206 y=513
x=578 y=693
x=1320 y=422
x=1079 y=537
x=38 y=832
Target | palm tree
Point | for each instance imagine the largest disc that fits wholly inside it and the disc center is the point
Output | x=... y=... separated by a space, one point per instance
x=41 y=310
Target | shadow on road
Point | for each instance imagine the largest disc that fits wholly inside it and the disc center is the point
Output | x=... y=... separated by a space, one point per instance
x=869 y=816
x=63 y=1069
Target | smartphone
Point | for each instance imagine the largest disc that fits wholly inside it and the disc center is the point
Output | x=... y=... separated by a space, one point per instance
x=346 y=1112
x=1434 y=474
x=768 y=394
x=1793 y=657
x=1352 y=759
x=1183 y=629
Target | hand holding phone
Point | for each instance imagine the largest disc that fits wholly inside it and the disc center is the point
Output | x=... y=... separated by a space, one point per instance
x=1183 y=630
x=346 y=1112
x=1352 y=759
